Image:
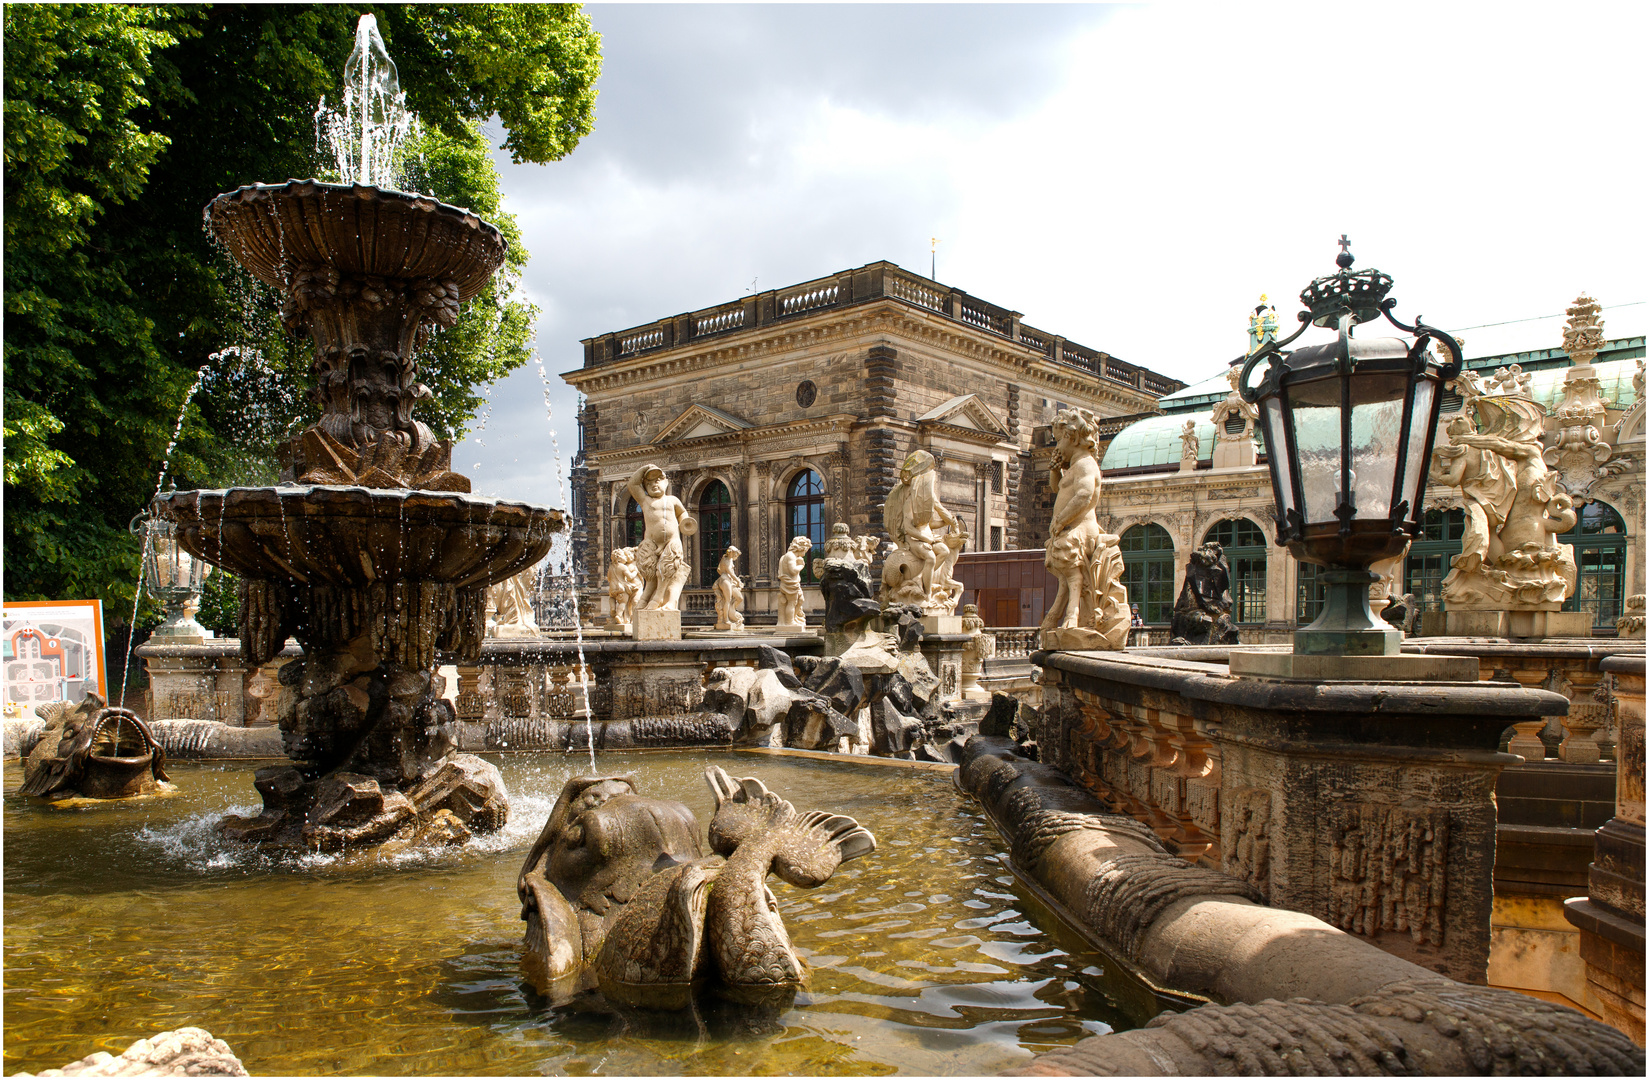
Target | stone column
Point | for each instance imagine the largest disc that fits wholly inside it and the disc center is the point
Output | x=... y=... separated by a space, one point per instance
x=1611 y=916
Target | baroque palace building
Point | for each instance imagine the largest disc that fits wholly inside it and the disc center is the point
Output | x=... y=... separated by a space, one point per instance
x=1165 y=494
x=780 y=414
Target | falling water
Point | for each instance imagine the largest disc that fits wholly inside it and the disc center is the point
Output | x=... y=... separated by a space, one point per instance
x=143 y=558
x=367 y=137
x=572 y=568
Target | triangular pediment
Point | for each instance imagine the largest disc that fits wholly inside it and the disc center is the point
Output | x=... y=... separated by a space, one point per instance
x=699 y=422
x=967 y=411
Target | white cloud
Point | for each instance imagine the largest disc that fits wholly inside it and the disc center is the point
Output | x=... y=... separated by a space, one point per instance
x=1129 y=178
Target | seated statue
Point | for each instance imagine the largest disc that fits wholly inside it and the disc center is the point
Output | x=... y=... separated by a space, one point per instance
x=618 y=893
x=1202 y=615
x=93 y=752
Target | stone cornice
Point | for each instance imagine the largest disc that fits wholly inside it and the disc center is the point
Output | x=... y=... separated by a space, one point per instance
x=962 y=433
x=748 y=442
x=834 y=325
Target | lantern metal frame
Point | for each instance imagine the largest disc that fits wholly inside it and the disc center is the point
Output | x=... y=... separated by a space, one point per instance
x=187 y=575
x=1347 y=543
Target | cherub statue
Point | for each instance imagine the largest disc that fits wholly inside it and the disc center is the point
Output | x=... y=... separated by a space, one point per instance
x=661 y=557
x=791 y=565
x=624 y=585
x=729 y=592
x=1084 y=558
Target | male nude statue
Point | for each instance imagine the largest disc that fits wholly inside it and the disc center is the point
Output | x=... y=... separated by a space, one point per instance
x=660 y=556
x=913 y=509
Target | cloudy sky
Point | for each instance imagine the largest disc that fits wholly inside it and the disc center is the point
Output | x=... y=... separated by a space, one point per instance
x=1132 y=178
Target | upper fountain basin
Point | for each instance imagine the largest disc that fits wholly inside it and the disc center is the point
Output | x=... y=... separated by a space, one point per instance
x=354 y=536
x=270 y=228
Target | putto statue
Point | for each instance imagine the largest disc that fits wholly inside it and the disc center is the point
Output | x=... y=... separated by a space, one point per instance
x=792 y=613
x=1510 y=558
x=1091 y=609
x=623 y=586
x=1190 y=447
x=511 y=600
x=660 y=557
x=919 y=572
x=619 y=893
x=729 y=592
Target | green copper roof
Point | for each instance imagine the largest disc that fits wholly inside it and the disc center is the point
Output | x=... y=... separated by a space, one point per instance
x=1155 y=441
x=1614 y=378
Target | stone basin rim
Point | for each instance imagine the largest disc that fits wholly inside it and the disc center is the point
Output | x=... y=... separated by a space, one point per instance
x=331 y=498
x=480 y=250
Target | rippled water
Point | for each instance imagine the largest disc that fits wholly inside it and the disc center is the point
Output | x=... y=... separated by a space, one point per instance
x=125 y=920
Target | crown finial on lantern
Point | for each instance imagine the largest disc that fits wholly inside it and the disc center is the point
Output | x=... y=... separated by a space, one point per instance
x=1345 y=258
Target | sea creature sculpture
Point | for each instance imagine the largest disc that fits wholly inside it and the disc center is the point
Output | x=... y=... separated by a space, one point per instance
x=618 y=893
x=90 y=751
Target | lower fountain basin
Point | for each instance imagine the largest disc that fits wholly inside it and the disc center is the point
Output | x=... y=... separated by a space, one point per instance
x=927 y=957
x=354 y=537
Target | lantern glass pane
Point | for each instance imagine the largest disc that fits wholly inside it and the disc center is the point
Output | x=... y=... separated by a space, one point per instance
x=1276 y=449
x=1425 y=407
x=1317 y=435
x=1376 y=425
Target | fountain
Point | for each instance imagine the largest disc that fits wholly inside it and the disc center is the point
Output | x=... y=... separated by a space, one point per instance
x=371 y=551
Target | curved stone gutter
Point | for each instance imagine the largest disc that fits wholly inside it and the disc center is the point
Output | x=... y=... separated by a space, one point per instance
x=181 y=739
x=1302 y=998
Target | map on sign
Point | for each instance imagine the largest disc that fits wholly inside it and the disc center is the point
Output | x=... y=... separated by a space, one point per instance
x=52 y=651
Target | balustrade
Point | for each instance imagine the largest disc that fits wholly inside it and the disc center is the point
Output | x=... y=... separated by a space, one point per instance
x=867 y=283
x=1013 y=642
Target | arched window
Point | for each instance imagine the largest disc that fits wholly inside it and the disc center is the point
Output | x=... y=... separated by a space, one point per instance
x=804 y=515
x=1428 y=560
x=634 y=527
x=715 y=529
x=1245 y=548
x=1148 y=571
x=1599 y=540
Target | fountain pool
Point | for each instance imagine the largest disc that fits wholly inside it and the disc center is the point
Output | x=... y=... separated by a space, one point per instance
x=127 y=919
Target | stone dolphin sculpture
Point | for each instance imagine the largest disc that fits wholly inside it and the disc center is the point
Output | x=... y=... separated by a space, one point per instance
x=618 y=893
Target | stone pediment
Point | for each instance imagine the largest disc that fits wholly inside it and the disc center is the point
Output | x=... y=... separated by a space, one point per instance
x=699 y=422
x=968 y=413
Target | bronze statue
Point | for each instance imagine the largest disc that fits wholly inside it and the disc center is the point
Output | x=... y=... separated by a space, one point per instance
x=93 y=752
x=618 y=893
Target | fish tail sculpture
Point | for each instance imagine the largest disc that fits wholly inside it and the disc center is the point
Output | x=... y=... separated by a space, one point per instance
x=758 y=831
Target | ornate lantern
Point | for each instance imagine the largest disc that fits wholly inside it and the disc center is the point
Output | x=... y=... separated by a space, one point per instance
x=173 y=577
x=1348 y=432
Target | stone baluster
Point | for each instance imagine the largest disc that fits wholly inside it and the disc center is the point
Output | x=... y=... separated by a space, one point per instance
x=468 y=703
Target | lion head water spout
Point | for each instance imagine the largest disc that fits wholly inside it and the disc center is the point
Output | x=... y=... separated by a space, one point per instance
x=372 y=554
x=366 y=138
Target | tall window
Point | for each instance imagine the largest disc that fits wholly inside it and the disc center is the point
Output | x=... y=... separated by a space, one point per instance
x=1245 y=549
x=634 y=527
x=1599 y=539
x=1309 y=593
x=715 y=529
x=804 y=515
x=1428 y=559
x=1148 y=571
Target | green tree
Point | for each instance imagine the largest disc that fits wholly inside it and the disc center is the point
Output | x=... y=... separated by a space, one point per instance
x=121 y=123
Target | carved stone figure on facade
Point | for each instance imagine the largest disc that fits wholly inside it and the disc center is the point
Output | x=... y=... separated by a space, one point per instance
x=729 y=592
x=1091 y=608
x=660 y=557
x=511 y=601
x=792 y=609
x=623 y=586
x=1510 y=558
x=911 y=513
x=1190 y=447
x=1630 y=625
x=1202 y=615
x=1578 y=451
x=618 y=892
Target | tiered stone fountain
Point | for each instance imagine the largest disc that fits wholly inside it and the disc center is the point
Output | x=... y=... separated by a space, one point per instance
x=371 y=552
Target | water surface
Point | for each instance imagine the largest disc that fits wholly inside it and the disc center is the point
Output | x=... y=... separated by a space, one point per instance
x=124 y=920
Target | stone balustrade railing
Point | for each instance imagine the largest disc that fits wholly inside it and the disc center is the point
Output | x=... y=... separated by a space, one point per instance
x=1013 y=642
x=882 y=280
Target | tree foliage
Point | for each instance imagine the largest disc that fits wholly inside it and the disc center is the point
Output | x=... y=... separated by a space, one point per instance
x=121 y=123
